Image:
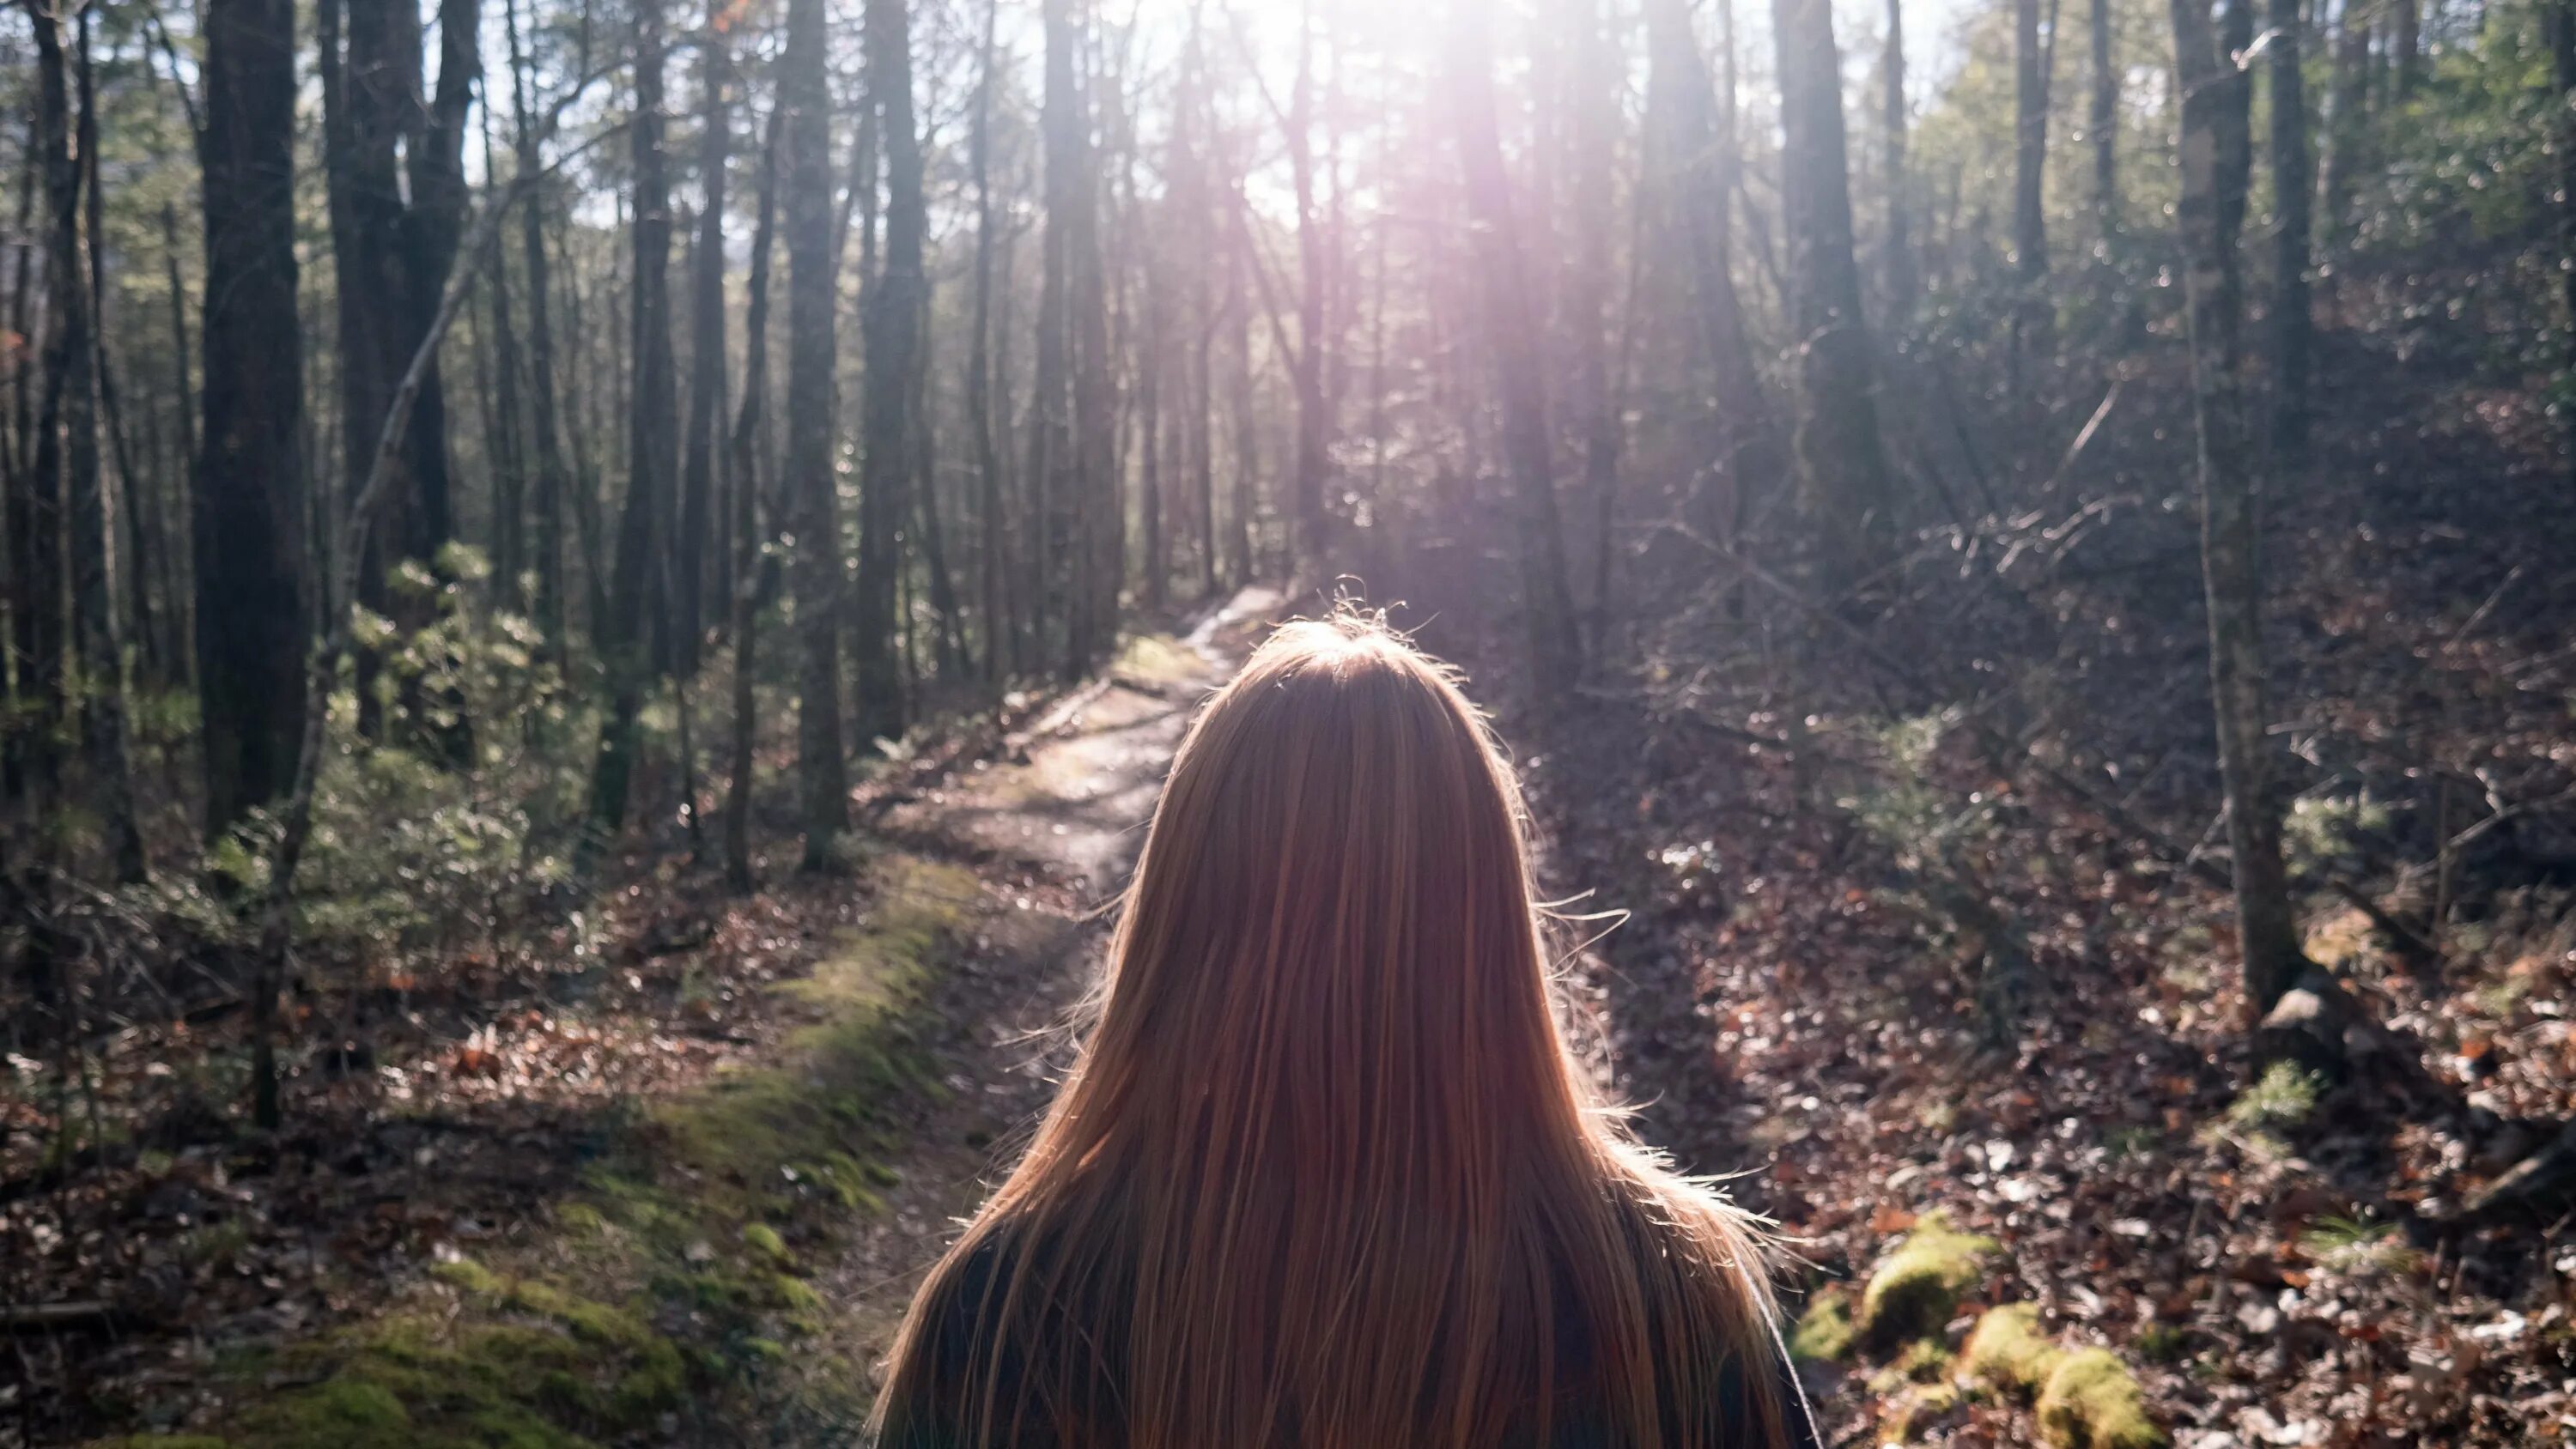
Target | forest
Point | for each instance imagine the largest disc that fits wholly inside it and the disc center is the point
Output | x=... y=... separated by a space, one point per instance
x=594 y=592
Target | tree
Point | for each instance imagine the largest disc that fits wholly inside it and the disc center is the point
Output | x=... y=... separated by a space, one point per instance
x=66 y=462
x=1842 y=461
x=1547 y=606
x=2291 y=324
x=652 y=451
x=1901 y=281
x=2102 y=125
x=394 y=162
x=246 y=492
x=896 y=304
x=2030 y=172
x=1701 y=165
x=2562 y=75
x=2230 y=564
x=703 y=453
x=547 y=504
x=1587 y=306
x=996 y=571
x=812 y=266
x=750 y=467
x=2347 y=126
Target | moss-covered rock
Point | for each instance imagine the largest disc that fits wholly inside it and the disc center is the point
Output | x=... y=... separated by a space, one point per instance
x=2009 y=1351
x=1920 y=1283
x=1824 y=1331
x=2092 y=1401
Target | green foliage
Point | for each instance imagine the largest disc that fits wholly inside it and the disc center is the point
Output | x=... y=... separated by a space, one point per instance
x=2358 y=1249
x=2092 y=1401
x=1919 y=1284
x=2284 y=1097
x=1824 y=1331
x=443 y=829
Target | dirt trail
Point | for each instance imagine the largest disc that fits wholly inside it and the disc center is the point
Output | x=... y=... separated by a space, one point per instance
x=1052 y=829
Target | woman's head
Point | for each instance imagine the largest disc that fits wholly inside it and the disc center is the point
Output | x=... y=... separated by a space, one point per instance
x=1329 y=943
x=1325 y=1172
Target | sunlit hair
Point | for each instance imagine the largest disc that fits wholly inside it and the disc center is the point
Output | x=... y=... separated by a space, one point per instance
x=1326 y=1173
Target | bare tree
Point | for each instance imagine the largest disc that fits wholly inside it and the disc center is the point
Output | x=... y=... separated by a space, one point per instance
x=1547 y=606
x=2230 y=524
x=1842 y=460
x=247 y=489
x=812 y=259
x=2291 y=325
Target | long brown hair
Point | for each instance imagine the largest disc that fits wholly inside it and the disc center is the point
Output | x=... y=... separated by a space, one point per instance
x=1326 y=1172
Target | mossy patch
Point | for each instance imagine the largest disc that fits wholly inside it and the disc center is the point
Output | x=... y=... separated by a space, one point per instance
x=569 y=1341
x=1902 y=1416
x=1824 y=1331
x=1920 y=1283
x=2092 y=1401
x=2009 y=1351
x=1924 y=1361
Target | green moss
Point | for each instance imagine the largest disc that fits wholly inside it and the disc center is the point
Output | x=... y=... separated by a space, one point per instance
x=339 y=1413
x=741 y=1135
x=766 y=1241
x=2009 y=1351
x=469 y=1275
x=1824 y=1331
x=2093 y=1402
x=160 y=1441
x=1918 y=1285
x=795 y=1294
x=1905 y=1412
x=573 y=1357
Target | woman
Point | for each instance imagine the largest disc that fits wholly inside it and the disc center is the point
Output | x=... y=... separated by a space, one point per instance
x=1326 y=1175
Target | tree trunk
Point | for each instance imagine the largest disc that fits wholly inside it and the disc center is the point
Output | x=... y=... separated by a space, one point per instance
x=748 y=536
x=652 y=449
x=1593 y=133
x=183 y=643
x=2030 y=170
x=996 y=570
x=1247 y=440
x=1547 y=606
x=1745 y=454
x=1314 y=428
x=1095 y=405
x=2407 y=40
x=2103 y=121
x=248 y=485
x=1901 y=278
x=2347 y=127
x=35 y=502
x=703 y=455
x=896 y=304
x=2230 y=563
x=1151 y=342
x=509 y=448
x=547 y=503
x=812 y=262
x=2562 y=55
x=1842 y=461
x=2291 y=323
x=67 y=453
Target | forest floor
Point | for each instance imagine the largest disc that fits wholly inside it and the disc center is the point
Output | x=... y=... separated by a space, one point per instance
x=678 y=1195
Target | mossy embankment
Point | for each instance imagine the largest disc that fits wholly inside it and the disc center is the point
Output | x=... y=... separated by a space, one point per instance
x=667 y=1289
